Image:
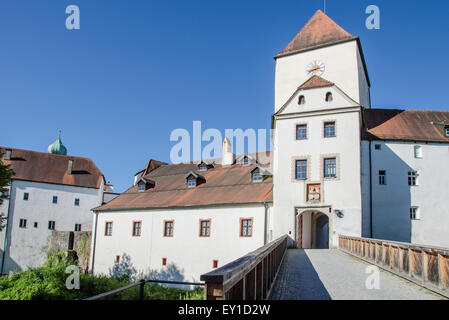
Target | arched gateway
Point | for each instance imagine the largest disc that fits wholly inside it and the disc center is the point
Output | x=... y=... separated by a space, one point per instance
x=313 y=228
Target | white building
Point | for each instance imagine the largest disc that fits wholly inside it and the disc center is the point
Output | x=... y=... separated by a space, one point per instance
x=339 y=167
x=49 y=192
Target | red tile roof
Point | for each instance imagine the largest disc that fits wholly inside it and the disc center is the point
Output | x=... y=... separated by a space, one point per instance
x=52 y=168
x=316 y=82
x=405 y=125
x=223 y=185
x=320 y=30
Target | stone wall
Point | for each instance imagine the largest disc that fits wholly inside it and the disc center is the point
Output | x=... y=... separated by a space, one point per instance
x=78 y=244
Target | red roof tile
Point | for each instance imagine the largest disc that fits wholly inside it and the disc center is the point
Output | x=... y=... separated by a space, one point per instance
x=316 y=82
x=320 y=30
x=223 y=185
x=52 y=168
x=406 y=125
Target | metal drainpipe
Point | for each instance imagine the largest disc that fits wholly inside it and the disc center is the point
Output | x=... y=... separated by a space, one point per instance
x=6 y=230
x=265 y=236
x=92 y=260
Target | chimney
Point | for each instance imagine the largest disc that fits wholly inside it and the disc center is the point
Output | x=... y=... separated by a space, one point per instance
x=69 y=169
x=227 y=158
x=8 y=154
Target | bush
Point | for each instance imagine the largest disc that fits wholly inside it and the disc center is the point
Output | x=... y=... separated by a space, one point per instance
x=48 y=282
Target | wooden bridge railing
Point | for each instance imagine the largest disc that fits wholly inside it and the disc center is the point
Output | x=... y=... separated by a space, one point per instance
x=424 y=265
x=249 y=277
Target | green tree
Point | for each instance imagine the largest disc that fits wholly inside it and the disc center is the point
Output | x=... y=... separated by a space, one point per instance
x=6 y=173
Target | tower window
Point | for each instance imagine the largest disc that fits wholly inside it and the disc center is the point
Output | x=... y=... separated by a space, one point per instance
x=77 y=202
x=329 y=97
x=301 y=132
x=55 y=200
x=330 y=168
x=382 y=177
x=301 y=169
x=301 y=100
x=418 y=152
x=412 y=178
x=378 y=147
x=329 y=129
x=78 y=227
x=26 y=196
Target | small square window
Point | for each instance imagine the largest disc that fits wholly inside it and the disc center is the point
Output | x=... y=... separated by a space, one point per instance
x=77 y=202
x=108 y=228
x=55 y=200
x=23 y=223
x=246 y=227
x=141 y=186
x=378 y=147
x=191 y=182
x=382 y=177
x=51 y=225
x=257 y=177
x=414 y=213
x=78 y=227
x=26 y=196
x=329 y=129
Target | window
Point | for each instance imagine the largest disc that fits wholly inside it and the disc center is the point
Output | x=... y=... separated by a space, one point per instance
x=191 y=182
x=77 y=202
x=301 y=169
x=414 y=213
x=204 y=228
x=35 y=225
x=164 y=261
x=108 y=228
x=329 y=129
x=137 y=228
x=141 y=186
x=203 y=168
x=378 y=147
x=51 y=225
x=412 y=178
x=214 y=264
x=55 y=200
x=168 y=228
x=117 y=259
x=330 y=168
x=245 y=161
x=382 y=177
x=418 y=152
x=301 y=100
x=26 y=196
x=78 y=227
x=257 y=177
x=329 y=97
x=301 y=132
x=246 y=227
x=23 y=223
x=446 y=131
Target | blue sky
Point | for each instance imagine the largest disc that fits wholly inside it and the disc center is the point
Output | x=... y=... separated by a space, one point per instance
x=136 y=70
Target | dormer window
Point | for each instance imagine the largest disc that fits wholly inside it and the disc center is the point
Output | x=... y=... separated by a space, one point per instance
x=245 y=161
x=191 y=182
x=204 y=166
x=329 y=97
x=301 y=100
x=257 y=177
x=258 y=173
x=446 y=131
x=144 y=184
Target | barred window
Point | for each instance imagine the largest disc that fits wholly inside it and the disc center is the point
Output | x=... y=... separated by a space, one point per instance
x=412 y=178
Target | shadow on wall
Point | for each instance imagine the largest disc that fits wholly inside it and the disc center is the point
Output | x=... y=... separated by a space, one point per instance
x=124 y=269
x=391 y=202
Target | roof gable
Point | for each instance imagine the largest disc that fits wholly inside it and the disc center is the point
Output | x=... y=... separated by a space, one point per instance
x=319 y=30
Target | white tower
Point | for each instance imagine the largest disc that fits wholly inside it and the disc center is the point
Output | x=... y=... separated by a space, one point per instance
x=227 y=156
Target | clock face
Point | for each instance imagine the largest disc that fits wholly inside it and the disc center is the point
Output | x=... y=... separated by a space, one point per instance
x=315 y=68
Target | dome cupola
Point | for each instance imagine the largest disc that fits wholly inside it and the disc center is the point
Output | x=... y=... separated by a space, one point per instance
x=57 y=147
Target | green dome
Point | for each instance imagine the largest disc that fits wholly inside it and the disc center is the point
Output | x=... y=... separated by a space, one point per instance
x=57 y=147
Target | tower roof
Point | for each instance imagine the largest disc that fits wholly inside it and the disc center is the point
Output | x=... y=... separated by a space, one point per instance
x=57 y=147
x=320 y=30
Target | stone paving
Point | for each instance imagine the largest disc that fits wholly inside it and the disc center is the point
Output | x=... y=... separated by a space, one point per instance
x=335 y=275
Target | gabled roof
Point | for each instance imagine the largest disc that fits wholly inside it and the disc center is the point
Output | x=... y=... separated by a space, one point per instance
x=320 y=30
x=52 y=168
x=316 y=82
x=405 y=125
x=223 y=185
